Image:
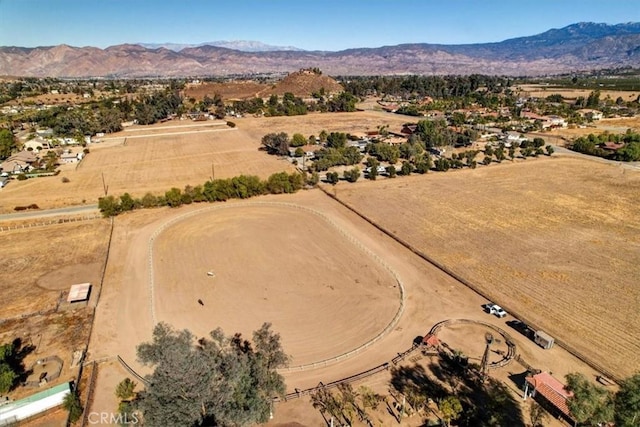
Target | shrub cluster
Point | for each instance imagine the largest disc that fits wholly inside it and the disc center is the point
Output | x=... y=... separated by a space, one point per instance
x=217 y=190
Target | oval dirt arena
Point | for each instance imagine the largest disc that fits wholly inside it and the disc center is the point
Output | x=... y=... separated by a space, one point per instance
x=323 y=292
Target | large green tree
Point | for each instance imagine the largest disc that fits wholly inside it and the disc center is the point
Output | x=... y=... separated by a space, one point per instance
x=627 y=403
x=276 y=143
x=7 y=143
x=590 y=404
x=219 y=380
x=451 y=408
x=8 y=372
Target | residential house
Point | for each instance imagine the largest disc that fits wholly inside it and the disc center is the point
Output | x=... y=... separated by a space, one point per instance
x=70 y=157
x=547 y=122
x=514 y=138
x=612 y=146
x=590 y=114
x=554 y=122
x=44 y=132
x=409 y=129
x=36 y=144
x=19 y=163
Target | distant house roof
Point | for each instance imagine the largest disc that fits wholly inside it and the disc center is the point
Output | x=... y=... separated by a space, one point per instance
x=79 y=292
x=551 y=389
x=409 y=129
x=612 y=146
x=24 y=156
x=431 y=341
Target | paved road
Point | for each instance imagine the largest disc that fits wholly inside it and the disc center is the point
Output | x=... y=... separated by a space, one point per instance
x=71 y=210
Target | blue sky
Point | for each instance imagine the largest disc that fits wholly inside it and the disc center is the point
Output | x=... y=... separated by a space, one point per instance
x=307 y=24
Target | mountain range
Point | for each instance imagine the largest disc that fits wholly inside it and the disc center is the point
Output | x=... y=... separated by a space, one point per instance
x=577 y=47
x=241 y=45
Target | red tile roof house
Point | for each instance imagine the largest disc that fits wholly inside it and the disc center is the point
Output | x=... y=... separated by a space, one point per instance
x=612 y=146
x=551 y=394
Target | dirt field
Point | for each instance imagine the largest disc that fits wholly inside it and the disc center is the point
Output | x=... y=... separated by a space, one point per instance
x=230 y=90
x=54 y=334
x=174 y=156
x=542 y=91
x=38 y=263
x=555 y=240
x=123 y=319
x=290 y=265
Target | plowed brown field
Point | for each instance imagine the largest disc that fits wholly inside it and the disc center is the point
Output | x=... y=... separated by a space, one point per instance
x=556 y=241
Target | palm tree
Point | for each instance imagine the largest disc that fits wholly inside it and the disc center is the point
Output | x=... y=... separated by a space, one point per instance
x=72 y=404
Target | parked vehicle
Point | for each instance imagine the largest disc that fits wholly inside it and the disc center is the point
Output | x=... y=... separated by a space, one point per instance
x=522 y=327
x=495 y=309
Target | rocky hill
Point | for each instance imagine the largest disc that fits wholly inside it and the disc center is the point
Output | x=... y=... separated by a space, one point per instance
x=303 y=83
x=583 y=46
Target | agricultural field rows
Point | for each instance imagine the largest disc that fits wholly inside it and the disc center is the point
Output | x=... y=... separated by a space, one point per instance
x=554 y=240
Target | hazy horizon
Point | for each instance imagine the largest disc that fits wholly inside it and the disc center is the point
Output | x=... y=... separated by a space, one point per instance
x=328 y=25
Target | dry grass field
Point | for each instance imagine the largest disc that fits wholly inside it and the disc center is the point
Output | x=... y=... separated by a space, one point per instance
x=613 y=125
x=300 y=83
x=54 y=334
x=229 y=90
x=555 y=240
x=38 y=263
x=156 y=158
x=542 y=91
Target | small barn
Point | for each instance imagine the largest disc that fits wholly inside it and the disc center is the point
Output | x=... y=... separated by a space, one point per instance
x=550 y=393
x=79 y=293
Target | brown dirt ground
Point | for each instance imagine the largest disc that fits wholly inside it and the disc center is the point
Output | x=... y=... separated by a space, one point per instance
x=555 y=240
x=542 y=91
x=123 y=317
x=231 y=90
x=290 y=265
x=57 y=334
x=301 y=84
x=157 y=163
x=38 y=263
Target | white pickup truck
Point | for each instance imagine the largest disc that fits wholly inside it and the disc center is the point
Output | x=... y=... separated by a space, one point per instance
x=495 y=309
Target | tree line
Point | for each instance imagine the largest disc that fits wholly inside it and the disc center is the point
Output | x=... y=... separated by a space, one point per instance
x=107 y=115
x=291 y=105
x=592 y=145
x=217 y=190
x=421 y=86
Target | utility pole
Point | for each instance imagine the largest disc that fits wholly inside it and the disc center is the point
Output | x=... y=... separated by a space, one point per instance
x=104 y=185
x=212 y=173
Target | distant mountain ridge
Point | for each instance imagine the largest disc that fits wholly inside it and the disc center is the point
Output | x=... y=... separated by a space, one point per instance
x=241 y=45
x=577 y=47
